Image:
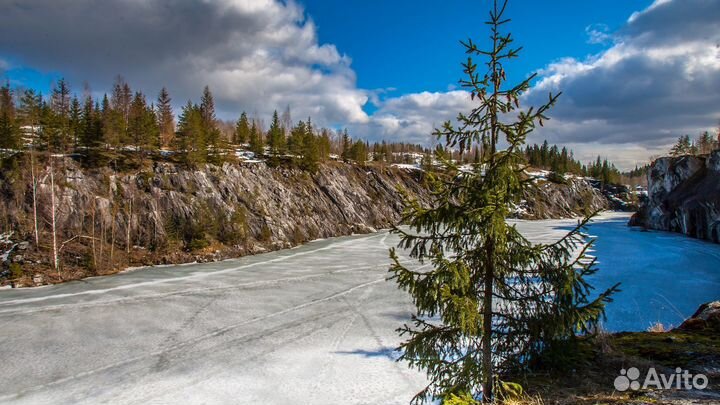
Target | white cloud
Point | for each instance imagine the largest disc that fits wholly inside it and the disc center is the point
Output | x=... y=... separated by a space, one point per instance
x=412 y=117
x=598 y=34
x=660 y=80
x=256 y=55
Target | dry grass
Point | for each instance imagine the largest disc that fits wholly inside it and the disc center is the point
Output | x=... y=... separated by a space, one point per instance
x=590 y=381
x=657 y=327
x=525 y=400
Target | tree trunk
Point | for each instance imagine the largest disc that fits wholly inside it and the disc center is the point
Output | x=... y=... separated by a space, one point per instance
x=34 y=193
x=112 y=227
x=94 y=253
x=487 y=369
x=56 y=258
x=127 y=236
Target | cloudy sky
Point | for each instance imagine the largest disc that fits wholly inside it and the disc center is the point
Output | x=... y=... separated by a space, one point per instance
x=635 y=74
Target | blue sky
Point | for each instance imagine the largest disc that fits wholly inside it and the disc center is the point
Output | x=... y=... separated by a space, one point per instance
x=413 y=46
x=635 y=74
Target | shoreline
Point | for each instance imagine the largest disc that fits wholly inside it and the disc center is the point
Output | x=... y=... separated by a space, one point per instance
x=602 y=216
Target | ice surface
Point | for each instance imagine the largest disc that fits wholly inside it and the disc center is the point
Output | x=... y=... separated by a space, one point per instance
x=664 y=276
x=311 y=325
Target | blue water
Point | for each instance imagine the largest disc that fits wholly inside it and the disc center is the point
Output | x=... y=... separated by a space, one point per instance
x=664 y=276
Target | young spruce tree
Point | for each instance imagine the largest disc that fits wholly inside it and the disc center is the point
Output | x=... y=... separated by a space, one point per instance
x=490 y=302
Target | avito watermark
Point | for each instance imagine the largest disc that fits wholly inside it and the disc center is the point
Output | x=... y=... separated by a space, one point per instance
x=682 y=379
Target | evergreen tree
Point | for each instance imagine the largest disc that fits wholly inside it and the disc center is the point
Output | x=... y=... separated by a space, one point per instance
x=358 y=152
x=242 y=130
x=346 y=145
x=190 y=137
x=143 y=129
x=491 y=301
x=557 y=160
x=211 y=133
x=108 y=115
x=682 y=147
x=309 y=150
x=30 y=108
x=256 y=144
x=119 y=114
x=60 y=118
x=296 y=139
x=9 y=129
x=276 y=136
x=165 y=118
x=88 y=125
x=74 y=122
x=30 y=113
x=705 y=143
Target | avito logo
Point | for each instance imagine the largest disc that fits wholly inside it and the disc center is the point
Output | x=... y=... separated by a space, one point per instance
x=681 y=379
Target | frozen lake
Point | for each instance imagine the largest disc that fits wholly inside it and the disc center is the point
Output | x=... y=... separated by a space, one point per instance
x=313 y=324
x=664 y=276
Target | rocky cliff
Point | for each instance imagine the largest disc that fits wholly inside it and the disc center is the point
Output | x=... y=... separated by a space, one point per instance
x=683 y=196
x=164 y=213
x=167 y=214
x=554 y=196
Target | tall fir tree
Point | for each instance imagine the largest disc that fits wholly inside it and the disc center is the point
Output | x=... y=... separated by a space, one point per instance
x=490 y=301
x=190 y=137
x=87 y=138
x=30 y=108
x=211 y=133
x=30 y=114
x=59 y=120
x=143 y=129
x=358 y=152
x=74 y=122
x=242 y=130
x=165 y=118
x=309 y=150
x=296 y=139
x=276 y=136
x=119 y=115
x=346 y=145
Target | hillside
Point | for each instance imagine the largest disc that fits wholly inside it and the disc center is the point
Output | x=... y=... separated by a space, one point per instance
x=166 y=213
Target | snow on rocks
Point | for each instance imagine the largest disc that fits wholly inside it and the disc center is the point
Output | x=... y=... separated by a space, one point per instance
x=406 y=166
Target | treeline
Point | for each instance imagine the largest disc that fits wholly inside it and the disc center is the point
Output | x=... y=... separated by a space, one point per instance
x=702 y=145
x=561 y=160
x=553 y=158
x=127 y=123
x=604 y=171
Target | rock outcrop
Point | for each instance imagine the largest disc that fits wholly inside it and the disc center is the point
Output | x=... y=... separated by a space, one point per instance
x=707 y=316
x=166 y=213
x=683 y=196
x=554 y=196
